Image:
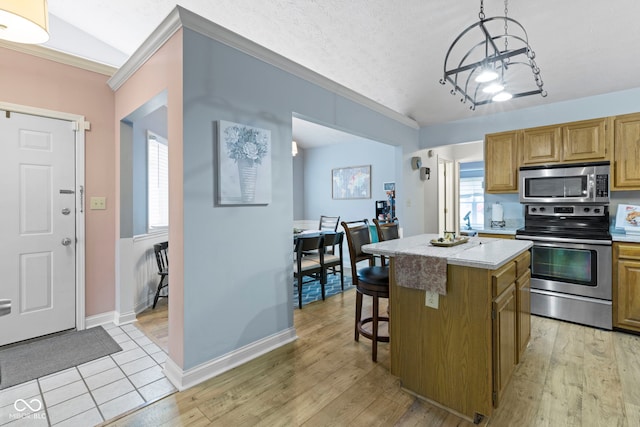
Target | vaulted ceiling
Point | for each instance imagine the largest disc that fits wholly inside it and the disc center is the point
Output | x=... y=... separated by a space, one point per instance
x=390 y=51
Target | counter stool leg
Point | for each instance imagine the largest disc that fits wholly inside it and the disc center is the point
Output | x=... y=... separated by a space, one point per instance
x=374 y=341
x=358 y=314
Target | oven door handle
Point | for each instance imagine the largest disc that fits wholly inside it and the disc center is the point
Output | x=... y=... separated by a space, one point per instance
x=564 y=240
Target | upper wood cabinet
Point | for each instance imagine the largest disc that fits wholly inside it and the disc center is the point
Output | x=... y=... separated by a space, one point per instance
x=501 y=162
x=626 y=152
x=585 y=140
x=541 y=145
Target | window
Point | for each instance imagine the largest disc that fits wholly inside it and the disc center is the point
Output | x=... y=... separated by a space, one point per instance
x=157 y=182
x=472 y=195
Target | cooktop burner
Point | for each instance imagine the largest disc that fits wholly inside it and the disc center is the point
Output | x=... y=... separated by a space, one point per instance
x=564 y=233
x=588 y=221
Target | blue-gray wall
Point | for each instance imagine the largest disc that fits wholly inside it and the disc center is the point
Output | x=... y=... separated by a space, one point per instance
x=238 y=260
x=298 y=184
x=474 y=129
x=133 y=162
x=318 y=163
x=156 y=122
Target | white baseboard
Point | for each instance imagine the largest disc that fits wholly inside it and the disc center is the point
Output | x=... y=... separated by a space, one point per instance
x=99 y=319
x=183 y=380
x=110 y=317
x=124 y=318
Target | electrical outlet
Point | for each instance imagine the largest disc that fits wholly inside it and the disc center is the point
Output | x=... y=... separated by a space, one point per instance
x=98 y=203
x=431 y=299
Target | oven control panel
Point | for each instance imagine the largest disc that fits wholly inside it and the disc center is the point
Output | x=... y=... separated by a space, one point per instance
x=567 y=210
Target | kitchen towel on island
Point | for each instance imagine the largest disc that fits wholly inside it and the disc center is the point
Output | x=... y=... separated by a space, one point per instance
x=422 y=272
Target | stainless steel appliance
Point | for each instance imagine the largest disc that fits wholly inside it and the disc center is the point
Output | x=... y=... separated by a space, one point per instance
x=570 y=262
x=575 y=183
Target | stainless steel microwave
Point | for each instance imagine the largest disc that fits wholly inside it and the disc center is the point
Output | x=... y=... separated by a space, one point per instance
x=569 y=183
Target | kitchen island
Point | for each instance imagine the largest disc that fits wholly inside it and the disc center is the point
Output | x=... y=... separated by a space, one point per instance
x=459 y=355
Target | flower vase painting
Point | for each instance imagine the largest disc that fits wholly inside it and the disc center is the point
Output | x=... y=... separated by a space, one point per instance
x=244 y=164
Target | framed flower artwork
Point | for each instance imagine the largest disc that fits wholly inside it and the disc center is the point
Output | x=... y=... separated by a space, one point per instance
x=353 y=182
x=244 y=164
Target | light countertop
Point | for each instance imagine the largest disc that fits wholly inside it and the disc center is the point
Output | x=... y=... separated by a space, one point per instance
x=478 y=252
x=623 y=237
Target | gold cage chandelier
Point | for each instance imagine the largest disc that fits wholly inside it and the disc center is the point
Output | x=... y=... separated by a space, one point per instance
x=492 y=61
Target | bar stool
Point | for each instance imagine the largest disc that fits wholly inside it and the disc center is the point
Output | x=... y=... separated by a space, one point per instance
x=371 y=280
x=387 y=230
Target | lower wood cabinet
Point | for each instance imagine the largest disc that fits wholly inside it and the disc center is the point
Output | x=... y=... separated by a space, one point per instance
x=523 y=285
x=626 y=282
x=511 y=317
x=504 y=314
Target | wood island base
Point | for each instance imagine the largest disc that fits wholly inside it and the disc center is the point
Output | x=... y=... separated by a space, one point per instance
x=461 y=355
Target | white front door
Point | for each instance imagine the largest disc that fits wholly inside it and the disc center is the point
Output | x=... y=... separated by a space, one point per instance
x=37 y=225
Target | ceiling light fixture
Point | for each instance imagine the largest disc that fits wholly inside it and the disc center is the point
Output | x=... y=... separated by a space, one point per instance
x=24 y=21
x=493 y=88
x=495 y=56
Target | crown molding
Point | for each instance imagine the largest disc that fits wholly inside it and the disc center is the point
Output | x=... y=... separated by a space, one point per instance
x=60 y=57
x=181 y=17
x=158 y=37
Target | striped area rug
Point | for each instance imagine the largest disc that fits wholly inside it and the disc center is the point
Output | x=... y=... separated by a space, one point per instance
x=311 y=291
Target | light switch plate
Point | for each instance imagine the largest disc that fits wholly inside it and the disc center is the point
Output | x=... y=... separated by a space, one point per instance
x=98 y=203
x=431 y=299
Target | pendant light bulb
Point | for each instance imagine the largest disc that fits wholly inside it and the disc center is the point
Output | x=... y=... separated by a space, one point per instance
x=502 y=96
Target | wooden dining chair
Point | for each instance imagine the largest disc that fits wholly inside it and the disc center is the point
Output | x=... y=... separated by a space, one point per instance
x=329 y=223
x=333 y=261
x=308 y=265
x=162 y=259
x=371 y=280
x=387 y=230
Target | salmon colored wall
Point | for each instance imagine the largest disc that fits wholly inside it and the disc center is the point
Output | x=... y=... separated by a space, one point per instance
x=163 y=71
x=36 y=82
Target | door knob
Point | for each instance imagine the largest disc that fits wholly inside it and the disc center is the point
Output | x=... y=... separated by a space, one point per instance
x=66 y=211
x=66 y=241
x=5 y=307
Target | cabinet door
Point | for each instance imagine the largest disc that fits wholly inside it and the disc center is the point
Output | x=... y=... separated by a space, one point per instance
x=504 y=340
x=585 y=140
x=628 y=313
x=626 y=152
x=501 y=162
x=541 y=145
x=524 y=312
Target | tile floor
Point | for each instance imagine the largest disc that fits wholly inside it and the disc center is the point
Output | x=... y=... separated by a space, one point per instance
x=97 y=391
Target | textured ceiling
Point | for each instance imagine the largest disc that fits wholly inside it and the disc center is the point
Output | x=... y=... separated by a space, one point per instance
x=393 y=51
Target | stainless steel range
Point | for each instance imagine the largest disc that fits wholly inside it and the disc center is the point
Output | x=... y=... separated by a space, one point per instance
x=571 y=260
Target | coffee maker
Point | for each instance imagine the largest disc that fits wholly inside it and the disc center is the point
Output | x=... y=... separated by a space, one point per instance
x=382 y=209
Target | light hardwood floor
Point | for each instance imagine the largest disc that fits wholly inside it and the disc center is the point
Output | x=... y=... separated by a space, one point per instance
x=570 y=376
